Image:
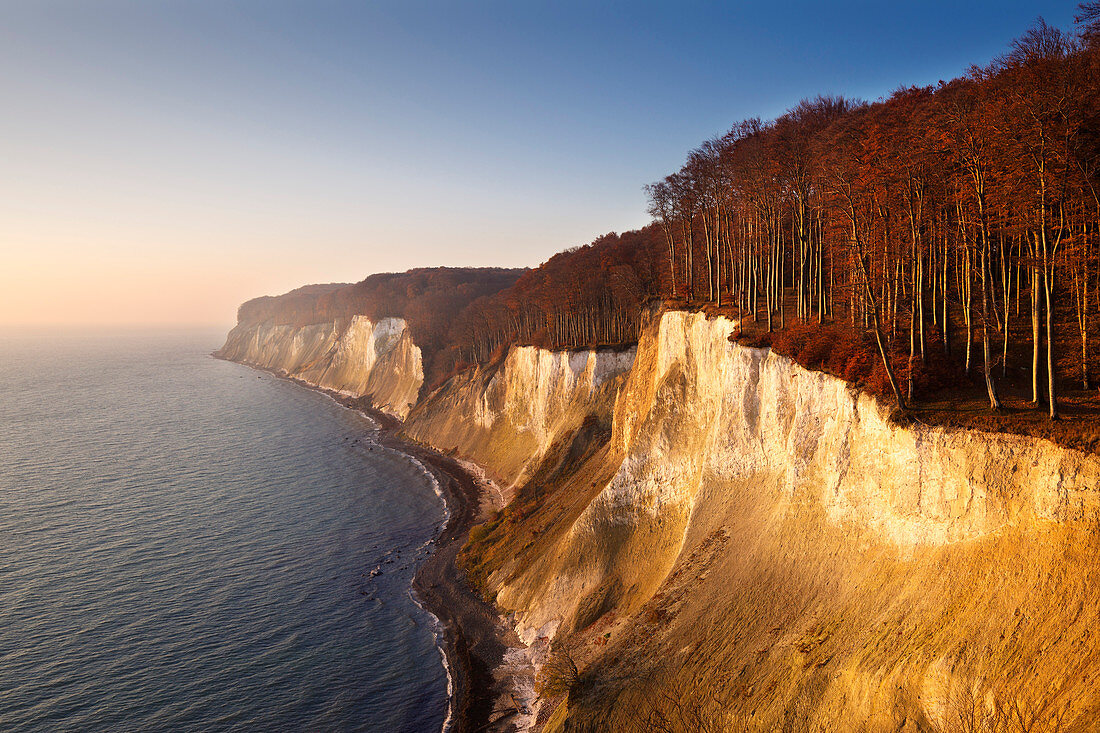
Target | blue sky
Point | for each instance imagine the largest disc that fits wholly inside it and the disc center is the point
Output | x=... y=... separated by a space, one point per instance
x=165 y=160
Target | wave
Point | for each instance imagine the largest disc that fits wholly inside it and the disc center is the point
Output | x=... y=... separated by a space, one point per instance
x=438 y=630
x=374 y=435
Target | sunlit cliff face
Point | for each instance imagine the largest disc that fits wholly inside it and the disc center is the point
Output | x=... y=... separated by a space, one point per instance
x=359 y=358
x=760 y=541
x=762 y=535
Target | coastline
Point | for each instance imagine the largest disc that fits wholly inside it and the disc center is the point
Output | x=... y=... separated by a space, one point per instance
x=474 y=635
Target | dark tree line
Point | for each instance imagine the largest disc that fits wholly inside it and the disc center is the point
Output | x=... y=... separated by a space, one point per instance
x=583 y=297
x=945 y=215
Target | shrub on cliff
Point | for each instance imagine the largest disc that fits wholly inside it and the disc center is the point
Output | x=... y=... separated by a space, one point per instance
x=845 y=352
x=557 y=676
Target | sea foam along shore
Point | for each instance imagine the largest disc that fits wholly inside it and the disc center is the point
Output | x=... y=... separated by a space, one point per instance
x=474 y=637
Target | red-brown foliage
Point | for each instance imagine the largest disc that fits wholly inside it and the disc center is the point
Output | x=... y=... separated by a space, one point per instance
x=852 y=355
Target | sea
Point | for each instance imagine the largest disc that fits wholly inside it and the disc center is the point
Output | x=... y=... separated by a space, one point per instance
x=187 y=544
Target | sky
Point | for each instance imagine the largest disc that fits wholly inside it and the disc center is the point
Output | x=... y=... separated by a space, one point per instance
x=162 y=161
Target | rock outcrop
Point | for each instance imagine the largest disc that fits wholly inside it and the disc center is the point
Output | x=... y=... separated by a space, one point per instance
x=354 y=356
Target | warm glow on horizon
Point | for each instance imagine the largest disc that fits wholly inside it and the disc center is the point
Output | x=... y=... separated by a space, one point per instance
x=163 y=163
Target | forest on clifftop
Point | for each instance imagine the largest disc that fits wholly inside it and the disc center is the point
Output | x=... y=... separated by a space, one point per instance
x=944 y=234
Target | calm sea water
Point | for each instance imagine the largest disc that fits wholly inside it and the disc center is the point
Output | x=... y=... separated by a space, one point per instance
x=186 y=545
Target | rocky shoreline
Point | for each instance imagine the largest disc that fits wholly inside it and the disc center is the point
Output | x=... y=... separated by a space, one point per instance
x=475 y=637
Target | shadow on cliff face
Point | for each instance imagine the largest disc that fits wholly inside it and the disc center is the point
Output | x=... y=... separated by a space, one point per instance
x=544 y=508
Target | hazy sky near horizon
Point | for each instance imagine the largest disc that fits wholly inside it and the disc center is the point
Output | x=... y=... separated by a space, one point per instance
x=164 y=160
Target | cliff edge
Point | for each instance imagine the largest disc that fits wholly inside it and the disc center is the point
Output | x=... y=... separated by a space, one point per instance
x=719 y=539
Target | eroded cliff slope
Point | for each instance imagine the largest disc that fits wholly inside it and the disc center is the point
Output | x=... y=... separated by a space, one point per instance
x=723 y=540
x=354 y=356
x=507 y=416
x=720 y=536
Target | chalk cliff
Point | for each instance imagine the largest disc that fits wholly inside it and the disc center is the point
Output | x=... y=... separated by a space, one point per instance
x=506 y=417
x=760 y=545
x=723 y=540
x=355 y=356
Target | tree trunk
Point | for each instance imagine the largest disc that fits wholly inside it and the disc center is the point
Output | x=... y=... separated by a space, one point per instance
x=1036 y=333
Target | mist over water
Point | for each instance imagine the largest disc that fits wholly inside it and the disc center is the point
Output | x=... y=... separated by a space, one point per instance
x=186 y=544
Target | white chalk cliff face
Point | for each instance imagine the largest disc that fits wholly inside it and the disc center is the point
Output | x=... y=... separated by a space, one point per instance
x=792 y=473
x=697 y=408
x=759 y=414
x=357 y=357
x=505 y=418
x=781 y=529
